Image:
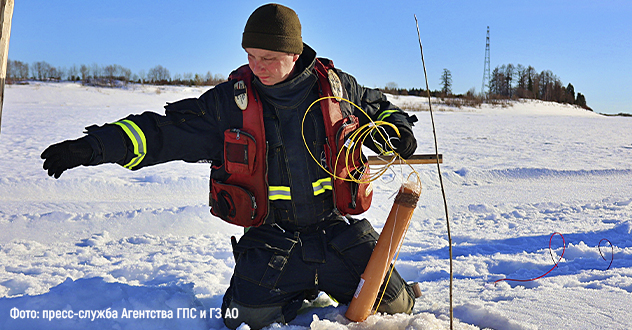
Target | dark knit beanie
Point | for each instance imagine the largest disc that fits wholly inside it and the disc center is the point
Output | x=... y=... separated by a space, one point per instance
x=273 y=27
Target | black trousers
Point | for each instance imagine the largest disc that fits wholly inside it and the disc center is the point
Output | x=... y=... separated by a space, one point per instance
x=276 y=270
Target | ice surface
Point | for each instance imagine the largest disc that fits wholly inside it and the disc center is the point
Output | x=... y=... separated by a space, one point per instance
x=105 y=237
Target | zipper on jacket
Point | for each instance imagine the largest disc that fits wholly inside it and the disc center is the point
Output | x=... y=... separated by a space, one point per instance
x=253 y=201
x=267 y=185
x=238 y=131
x=254 y=204
x=331 y=164
x=340 y=130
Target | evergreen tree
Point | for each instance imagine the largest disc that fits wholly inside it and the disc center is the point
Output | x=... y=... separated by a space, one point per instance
x=509 y=73
x=570 y=94
x=581 y=100
x=446 y=82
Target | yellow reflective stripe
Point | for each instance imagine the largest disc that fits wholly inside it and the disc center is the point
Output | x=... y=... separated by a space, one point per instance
x=283 y=192
x=137 y=137
x=385 y=114
x=279 y=193
x=321 y=185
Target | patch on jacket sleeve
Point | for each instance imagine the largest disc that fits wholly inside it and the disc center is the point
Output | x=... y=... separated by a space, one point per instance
x=241 y=95
x=336 y=85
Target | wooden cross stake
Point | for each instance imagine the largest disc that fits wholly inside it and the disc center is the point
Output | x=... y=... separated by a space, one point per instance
x=414 y=159
x=6 y=13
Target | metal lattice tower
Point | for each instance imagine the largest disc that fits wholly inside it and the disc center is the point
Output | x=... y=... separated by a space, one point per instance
x=486 y=75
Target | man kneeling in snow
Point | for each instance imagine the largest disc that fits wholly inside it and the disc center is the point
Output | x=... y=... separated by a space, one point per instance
x=263 y=176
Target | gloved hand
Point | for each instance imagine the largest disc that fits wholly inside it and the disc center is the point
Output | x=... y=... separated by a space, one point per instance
x=66 y=155
x=406 y=145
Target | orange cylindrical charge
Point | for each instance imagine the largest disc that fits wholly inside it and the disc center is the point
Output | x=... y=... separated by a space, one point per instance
x=390 y=239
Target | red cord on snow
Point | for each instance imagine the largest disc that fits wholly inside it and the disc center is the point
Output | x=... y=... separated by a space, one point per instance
x=611 y=251
x=560 y=258
x=547 y=273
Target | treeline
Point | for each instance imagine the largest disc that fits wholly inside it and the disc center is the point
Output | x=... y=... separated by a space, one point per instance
x=107 y=76
x=392 y=88
x=506 y=82
x=509 y=81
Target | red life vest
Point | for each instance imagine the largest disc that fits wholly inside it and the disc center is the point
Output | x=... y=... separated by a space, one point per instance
x=242 y=198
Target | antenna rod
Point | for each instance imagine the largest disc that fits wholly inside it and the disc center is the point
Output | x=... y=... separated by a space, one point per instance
x=445 y=203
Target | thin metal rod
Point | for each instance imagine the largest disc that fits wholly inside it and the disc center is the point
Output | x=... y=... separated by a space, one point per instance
x=445 y=203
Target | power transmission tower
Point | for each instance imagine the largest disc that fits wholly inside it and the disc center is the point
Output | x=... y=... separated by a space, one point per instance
x=486 y=75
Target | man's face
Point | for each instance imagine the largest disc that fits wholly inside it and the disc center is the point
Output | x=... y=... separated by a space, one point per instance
x=271 y=67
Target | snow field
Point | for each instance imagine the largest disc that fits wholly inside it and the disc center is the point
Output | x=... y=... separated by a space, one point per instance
x=105 y=237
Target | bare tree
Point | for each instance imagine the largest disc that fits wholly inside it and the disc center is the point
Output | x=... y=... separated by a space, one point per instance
x=109 y=71
x=187 y=78
x=44 y=71
x=126 y=74
x=158 y=74
x=61 y=73
x=73 y=73
x=533 y=82
x=114 y=73
x=85 y=72
x=37 y=70
x=522 y=82
x=17 y=70
x=55 y=73
x=96 y=71
x=198 y=80
x=177 y=78
x=218 y=78
x=547 y=85
x=142 y=76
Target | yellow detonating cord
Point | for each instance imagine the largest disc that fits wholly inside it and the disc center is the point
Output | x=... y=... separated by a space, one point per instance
x=355 y=140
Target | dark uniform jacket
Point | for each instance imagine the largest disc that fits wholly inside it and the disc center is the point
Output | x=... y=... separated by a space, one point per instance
x=192 y=130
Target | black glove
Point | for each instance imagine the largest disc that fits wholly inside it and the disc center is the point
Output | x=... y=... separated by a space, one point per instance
x=406 y=144
x=66 y=155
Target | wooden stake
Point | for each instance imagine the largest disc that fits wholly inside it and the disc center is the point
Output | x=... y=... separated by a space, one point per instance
x=6 y=13
x=414 y=159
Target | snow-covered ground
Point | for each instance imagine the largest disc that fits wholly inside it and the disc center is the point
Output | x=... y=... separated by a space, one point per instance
x=104 y=241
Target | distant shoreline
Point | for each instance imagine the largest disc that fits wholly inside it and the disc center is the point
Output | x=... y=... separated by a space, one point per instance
x=620 y=114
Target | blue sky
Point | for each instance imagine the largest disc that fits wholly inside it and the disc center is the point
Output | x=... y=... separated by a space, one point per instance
x=585 y=42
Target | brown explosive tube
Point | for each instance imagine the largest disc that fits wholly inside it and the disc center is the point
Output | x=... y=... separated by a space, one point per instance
x=387 y=245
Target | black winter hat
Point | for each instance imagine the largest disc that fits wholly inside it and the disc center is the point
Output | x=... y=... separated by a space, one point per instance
x=273 y=27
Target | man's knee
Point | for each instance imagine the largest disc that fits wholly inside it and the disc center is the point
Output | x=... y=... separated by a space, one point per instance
x=399 y=296
x=402 y=302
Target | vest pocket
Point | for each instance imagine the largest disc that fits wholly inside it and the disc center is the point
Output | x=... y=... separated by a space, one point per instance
x=239 y=152
x=233 y=204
